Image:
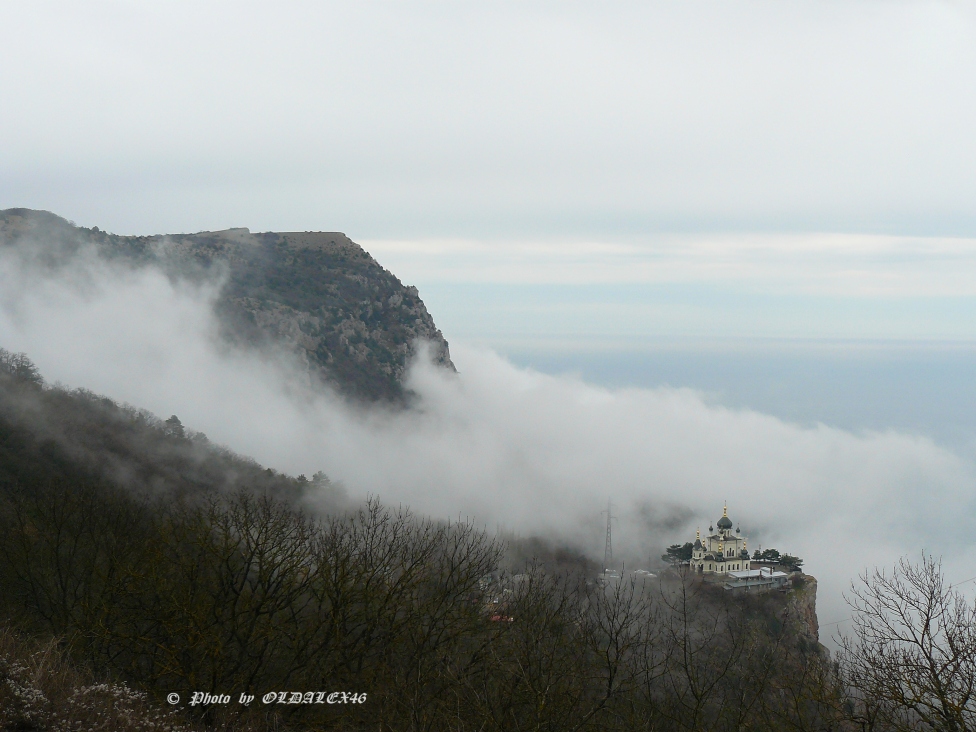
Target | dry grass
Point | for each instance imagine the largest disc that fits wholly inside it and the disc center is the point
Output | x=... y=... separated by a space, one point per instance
x=40 y=689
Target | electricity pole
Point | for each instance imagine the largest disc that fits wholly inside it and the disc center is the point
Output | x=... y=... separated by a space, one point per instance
x=608 y=550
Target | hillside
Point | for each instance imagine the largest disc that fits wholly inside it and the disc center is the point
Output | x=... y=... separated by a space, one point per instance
x=139 y=553
x=317 y=294
x=52 y=436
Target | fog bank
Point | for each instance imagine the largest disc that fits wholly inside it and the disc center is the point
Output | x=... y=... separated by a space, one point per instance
x=505 y=445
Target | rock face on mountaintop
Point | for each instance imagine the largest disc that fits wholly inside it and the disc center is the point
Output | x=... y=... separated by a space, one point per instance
x=317 y=294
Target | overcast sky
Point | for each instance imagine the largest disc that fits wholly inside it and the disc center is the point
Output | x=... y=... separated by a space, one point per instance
x=558 y=170
x=485 y=120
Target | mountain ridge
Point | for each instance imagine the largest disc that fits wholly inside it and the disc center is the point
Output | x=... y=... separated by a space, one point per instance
x=351 y=323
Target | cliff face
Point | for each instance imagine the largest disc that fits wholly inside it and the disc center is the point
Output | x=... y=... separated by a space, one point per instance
x=803 y=606
x=316 y=294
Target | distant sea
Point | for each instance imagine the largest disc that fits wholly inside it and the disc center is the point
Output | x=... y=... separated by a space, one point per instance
x=927 y=389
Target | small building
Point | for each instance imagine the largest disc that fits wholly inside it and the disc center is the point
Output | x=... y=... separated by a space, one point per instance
x=720 y=552
x=757 y=580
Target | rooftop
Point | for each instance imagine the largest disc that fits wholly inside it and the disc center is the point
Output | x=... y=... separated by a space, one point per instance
x=761 y=573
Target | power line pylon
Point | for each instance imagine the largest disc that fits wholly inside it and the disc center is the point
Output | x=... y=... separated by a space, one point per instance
x=608 y=549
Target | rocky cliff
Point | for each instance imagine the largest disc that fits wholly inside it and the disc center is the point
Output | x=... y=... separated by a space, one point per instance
x=803 y=606
x=317 y=294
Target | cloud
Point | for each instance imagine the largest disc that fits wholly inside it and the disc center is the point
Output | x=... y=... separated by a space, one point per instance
x=439 y=119
x=839 y=265
x=506 y=445
x=755 y=285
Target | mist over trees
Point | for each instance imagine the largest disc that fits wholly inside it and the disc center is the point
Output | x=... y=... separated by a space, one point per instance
x=20 y=368
x=141 y=554
x=248 y=593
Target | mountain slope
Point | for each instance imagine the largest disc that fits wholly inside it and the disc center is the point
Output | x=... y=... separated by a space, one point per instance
x=54 y=436
x=317 y=294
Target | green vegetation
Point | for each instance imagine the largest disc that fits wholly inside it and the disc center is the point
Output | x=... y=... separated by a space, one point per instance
x=678 y=553
x=771 y=555
x=793 y=563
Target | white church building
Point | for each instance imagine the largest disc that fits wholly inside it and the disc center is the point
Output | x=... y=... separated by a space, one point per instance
x=721 y=552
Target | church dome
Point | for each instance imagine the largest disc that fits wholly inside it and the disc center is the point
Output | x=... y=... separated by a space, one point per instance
x=725 y=523
x=698 y=544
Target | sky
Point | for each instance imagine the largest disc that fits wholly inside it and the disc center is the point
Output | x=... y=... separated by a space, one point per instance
x=760 y=211
x=508 y=119
x=557 y=170
x=857 y=331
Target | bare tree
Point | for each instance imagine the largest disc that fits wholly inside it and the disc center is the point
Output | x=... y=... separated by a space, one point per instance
x=910 y=661
x=20 y=367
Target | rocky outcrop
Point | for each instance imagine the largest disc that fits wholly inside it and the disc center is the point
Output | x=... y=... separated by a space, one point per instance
x=803 y=606
x=317 y=294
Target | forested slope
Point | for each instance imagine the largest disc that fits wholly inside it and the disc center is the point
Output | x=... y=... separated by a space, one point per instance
x=162 y=562
x=53 y=435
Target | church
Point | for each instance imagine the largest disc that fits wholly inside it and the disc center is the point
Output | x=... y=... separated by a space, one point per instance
x=721 y=552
